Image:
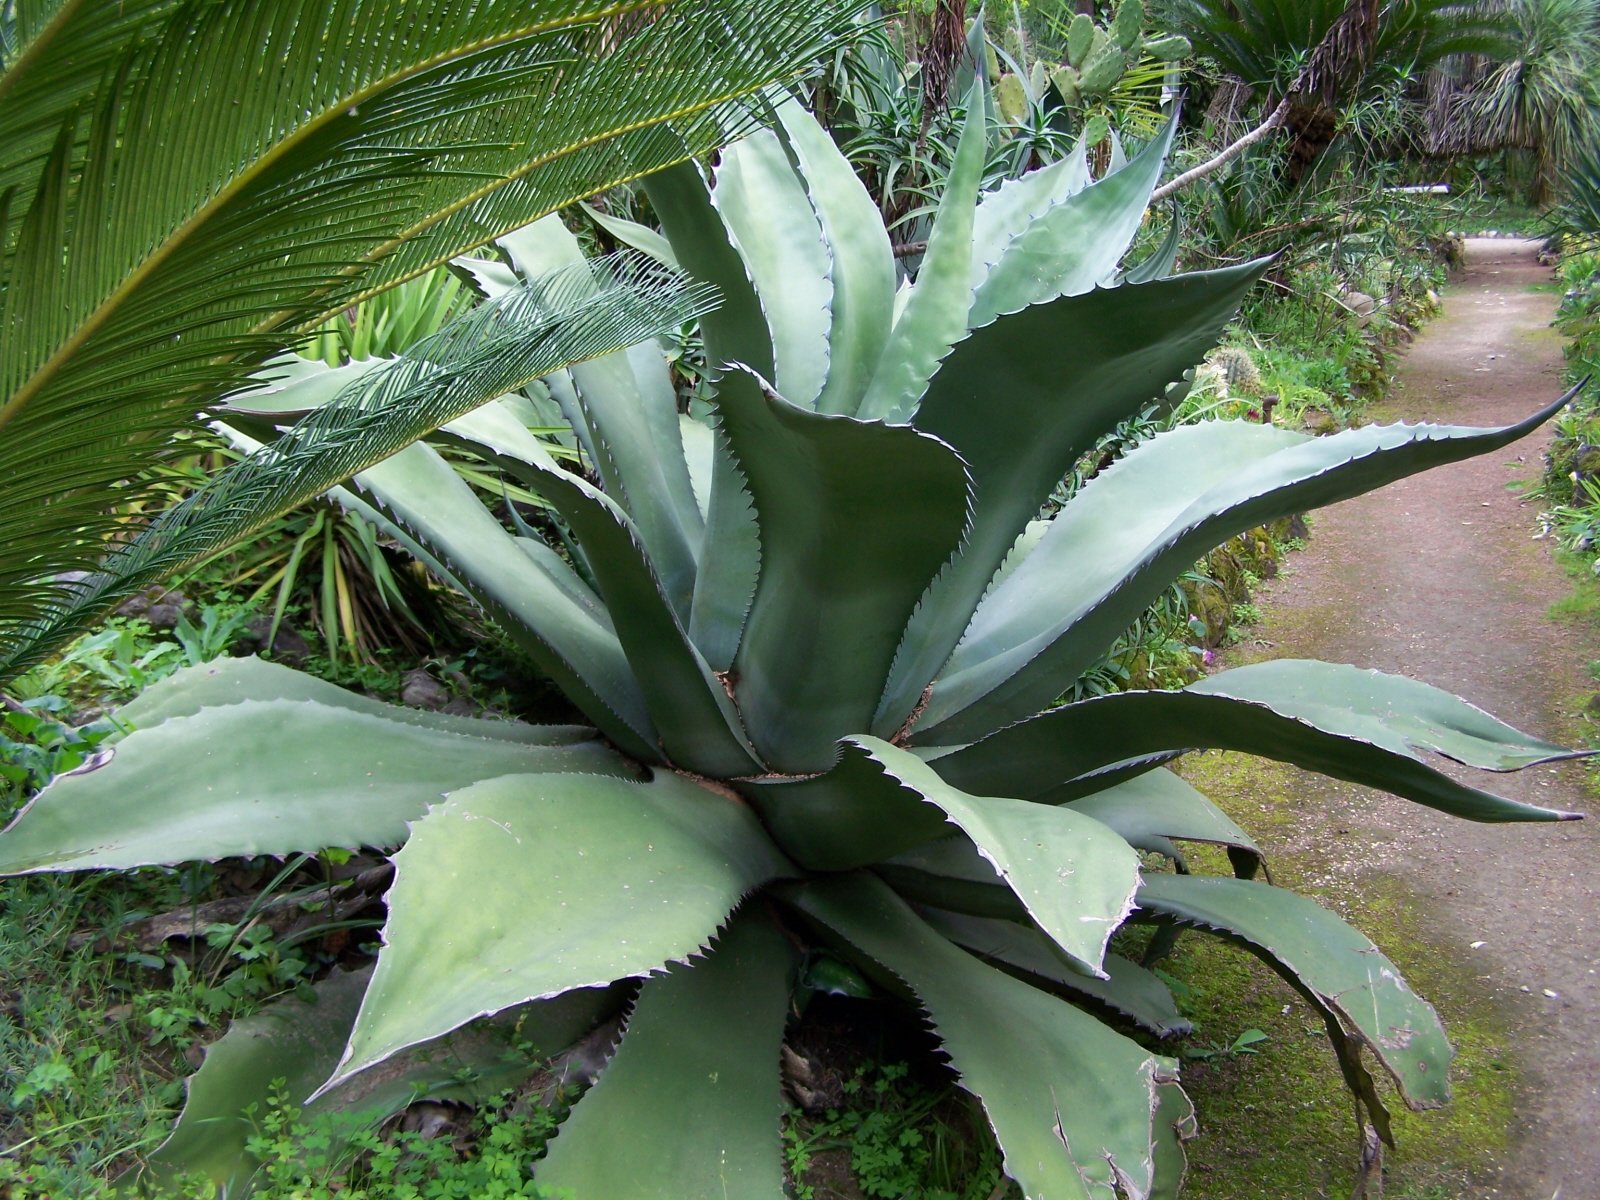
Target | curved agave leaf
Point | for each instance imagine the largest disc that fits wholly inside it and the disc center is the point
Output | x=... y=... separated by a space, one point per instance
x=1332 y=965
x=734 y=333
x=292 y=1046
x=1128 y=989
x=626 y=408
x=231 y=680
x=536 y=600
x=1137 y=525
x=1005 y=212
x=664 y=861
x=1074 y=245
x=1061 y=391
x=1360 y=726
x=860 y=261
x=689 y=1105
x=181 y=196
x=855 y=518
x=1071 y=1102
x=694 y=715
x=771 y=222
x=264 y=777
x=934 y=315
x=1075 y=877
x=1156 y=806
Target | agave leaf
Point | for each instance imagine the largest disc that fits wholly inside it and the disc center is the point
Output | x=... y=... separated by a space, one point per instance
x=292 y=1046
x=231 y=680
x=697 y=723
x=690 y=1104
x=1175 y=1124
x=1161 y=261
x=1073 y=245
x=630 y=233
x=226 y=782
x=934 y=315
x=861 y=263
x=532 y=599
x=1128 y=989
x=1062 y=390
x=1005 y=212
x=1158 y=805
x=557 y=865
x=771 y=221
x=1070 y=1101
x=855 y=518
x=1074 y=875
x=1107 y=556
x=1360 y=726
x=736 y=332
x=1332 y=965
x=626 y=406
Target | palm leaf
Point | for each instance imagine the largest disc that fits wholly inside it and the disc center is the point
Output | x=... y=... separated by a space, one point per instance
x=185 y=217
x=566 y=317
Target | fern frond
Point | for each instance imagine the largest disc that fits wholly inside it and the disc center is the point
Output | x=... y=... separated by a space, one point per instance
x=497 y=348
x=240 y=170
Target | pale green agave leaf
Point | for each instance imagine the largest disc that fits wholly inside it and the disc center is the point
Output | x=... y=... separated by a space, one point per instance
x=1013 y=206
x=1329 y=962
x=1137 y=526
x=264 y=777
x=771 y=221
x=1075 y=876
x=232 y=680
x=1360 y=726
x=293 y=1045
x=1071 y=1101
x=1158 y=805
x=1074 y=244
x=534 y=598
x=689 y=1104
x=626 y=878
x=933 y=314
x=860 y=259
x=1061 y=390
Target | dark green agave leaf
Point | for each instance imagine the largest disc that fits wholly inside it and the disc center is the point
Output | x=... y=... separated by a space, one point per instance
x=1361 y=726
x=1071 y=1101
x=689 y=1105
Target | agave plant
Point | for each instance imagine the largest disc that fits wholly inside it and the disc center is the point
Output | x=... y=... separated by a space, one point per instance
x=817 y=644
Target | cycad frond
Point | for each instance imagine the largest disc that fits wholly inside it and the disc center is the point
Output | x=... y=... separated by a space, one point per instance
x=241 y=169
x=502 y=346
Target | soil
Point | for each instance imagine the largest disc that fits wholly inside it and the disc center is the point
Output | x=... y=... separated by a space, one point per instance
x=1440 y=577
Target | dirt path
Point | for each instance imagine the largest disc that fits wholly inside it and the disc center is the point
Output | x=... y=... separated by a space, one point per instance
x=1438 y=578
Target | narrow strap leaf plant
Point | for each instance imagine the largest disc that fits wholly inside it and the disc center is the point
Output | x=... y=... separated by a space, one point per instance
x=817 y=640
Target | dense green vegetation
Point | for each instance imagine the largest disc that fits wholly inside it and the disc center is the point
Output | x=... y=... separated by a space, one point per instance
x=738 y=577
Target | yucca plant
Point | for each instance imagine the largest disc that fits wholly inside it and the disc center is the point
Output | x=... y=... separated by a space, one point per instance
x=817 y=646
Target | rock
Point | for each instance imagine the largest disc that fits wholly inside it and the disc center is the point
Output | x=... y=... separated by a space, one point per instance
x=418 y=689
x=460 y=707
x=1362 y=305
x=287 y=647
x=1318 y=420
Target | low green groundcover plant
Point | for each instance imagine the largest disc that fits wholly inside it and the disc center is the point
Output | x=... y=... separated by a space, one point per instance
x=817 y=635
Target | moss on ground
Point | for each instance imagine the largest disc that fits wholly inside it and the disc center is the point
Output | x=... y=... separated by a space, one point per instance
x=1278 y=1122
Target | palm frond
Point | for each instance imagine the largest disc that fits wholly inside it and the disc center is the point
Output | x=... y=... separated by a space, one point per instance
x=500 y=347
x=238 y=171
